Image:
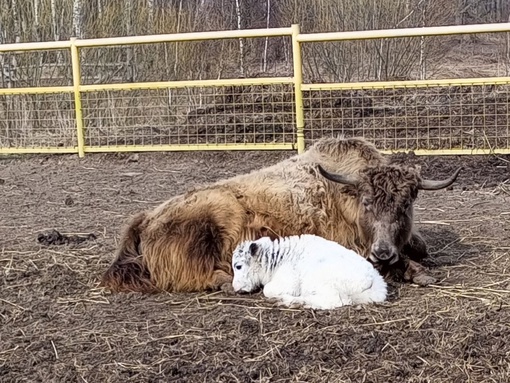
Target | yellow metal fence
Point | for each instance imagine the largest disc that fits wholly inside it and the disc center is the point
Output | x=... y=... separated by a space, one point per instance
x=449 y=116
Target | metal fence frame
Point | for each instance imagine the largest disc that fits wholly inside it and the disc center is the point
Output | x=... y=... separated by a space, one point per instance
x=296 y=80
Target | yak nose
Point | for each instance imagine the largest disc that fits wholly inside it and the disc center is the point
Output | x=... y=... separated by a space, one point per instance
x=382 y=252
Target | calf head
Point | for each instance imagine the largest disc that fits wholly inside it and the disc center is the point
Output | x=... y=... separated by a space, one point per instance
x=246 y=265
x=384 y=198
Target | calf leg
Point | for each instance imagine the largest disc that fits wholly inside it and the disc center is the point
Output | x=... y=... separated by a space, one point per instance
x=273 y=290
x=289 y=301
x=221 y=281
x=326 y=301
x=317 y=302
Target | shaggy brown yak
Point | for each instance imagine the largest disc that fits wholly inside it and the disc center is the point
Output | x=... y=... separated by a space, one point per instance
x=366 y=204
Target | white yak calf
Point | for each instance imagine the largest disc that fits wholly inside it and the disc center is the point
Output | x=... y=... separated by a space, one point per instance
x=306 y=270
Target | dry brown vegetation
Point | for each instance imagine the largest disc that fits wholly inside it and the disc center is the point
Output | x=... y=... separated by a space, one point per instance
x=226 y=115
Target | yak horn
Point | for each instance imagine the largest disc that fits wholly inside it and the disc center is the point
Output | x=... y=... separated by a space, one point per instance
x=436 y=185
x=336 y=177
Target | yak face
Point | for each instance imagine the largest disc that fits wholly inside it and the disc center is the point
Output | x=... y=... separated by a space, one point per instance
x=385 y=196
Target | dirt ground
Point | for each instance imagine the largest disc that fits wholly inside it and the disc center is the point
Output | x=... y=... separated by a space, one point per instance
x=57 y=326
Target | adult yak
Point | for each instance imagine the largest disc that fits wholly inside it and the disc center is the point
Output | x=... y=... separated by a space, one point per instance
x=340 y=189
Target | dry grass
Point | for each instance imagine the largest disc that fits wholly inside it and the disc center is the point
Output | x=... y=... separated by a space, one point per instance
x=57 y=326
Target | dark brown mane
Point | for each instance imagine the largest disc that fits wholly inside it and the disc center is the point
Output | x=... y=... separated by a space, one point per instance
x=392 y=184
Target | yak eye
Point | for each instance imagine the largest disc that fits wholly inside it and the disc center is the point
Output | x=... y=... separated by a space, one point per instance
x=238 y=267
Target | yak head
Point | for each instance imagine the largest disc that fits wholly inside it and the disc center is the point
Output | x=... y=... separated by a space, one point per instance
x=384 y=198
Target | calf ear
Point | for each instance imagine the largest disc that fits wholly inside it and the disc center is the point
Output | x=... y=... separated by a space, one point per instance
x=253 y=248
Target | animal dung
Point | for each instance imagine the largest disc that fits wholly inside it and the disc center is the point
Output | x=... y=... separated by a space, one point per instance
x=55 y=238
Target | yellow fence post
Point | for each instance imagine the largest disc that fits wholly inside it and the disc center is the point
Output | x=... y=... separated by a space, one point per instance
x=75 y=59
x=298 y=94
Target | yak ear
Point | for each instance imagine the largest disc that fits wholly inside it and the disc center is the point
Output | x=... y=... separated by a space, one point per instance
x=254 y=248
x=268 y=232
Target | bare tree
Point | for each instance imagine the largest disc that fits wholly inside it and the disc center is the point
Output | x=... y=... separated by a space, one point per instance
x=177 y=44
x=268 y=15
x=77 y=18
x=241 y=41
x=130 y=54
x=150 y=6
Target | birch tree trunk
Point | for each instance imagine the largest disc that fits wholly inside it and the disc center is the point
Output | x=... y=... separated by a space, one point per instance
x=11 y=104
x=507 y=48
x=100 y=9
x=37 y=36
x=130 y=55
x=266 y=42
x=241 y=42
x=37 y=24
x=178 y=29
x=150 y=5
x=55 y=30
x=77 y=12
x=17 y=39
x=423 y=64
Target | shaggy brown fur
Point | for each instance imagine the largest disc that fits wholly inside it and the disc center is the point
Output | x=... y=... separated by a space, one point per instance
x=186 y=243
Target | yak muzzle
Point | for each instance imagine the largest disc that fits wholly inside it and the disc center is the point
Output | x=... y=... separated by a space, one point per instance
x=383 y=253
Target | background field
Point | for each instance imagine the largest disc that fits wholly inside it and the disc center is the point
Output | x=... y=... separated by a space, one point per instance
x=56 y=326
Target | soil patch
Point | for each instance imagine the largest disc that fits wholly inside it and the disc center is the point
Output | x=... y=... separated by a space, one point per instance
x=56 y=325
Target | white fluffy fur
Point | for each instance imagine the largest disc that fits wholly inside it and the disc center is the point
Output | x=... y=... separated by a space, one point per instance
x=306 y=270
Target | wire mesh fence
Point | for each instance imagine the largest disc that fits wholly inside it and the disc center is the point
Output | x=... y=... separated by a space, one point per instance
x=188 y=116
x=463 y=117
x=37 y=121
x=413 y=118
x=170 y=98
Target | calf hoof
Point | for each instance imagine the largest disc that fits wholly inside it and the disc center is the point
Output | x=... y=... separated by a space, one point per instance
x=289 y=305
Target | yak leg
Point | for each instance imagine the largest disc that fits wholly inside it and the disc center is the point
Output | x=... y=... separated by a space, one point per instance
x=222 y=280
x=418 y=274
x=416 y=248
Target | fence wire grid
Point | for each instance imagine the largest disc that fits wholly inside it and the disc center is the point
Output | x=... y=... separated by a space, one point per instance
x=189 y=116
x=37 y=121
x=413 y=118
x=165 y=96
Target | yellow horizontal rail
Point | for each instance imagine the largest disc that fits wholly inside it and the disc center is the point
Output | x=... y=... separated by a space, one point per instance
x=152 y=148
x=36 y=46
x=186 y=84
x=196 y=147
x=149 y=85
x=212 y=147
x=37 y=90
x=147 y=39
x=408 y=84
x=37 y=150
x=404 y=32
x=190 y=36
x=449 y=152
